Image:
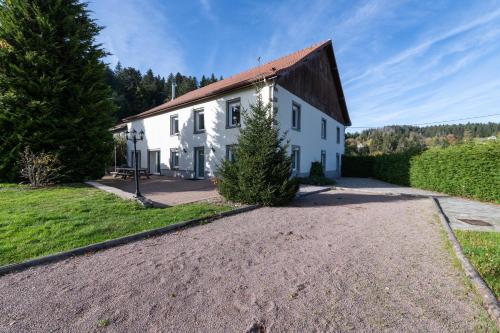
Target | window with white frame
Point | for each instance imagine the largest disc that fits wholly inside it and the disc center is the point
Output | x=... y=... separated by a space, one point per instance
x=174 y=125
x=338 y=135
x=295 y=116
x=295 y=159
x=199 y=121
x=174 y=159
x=230 y=153
x=323 y=159
x=323 y=128
x=233 y=113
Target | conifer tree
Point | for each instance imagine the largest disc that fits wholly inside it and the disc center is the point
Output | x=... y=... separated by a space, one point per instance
x=53 y=94
x=260 y=173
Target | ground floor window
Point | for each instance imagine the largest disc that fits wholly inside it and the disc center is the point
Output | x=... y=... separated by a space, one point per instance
x=295 y=159
x=174 y=159
x=337 y=162
x=132 y=159
x=323 y=159
x=230 y=153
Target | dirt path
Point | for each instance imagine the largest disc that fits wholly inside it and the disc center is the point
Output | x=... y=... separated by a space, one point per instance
x=335 y=261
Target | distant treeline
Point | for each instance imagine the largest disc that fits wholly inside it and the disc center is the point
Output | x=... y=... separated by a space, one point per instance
x=475 y=130
x=134 y=92
x=404 y=138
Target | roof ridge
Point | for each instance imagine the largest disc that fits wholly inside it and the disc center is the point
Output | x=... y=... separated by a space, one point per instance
x=246 y=76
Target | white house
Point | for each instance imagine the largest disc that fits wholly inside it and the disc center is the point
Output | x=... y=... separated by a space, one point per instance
x=189 y=135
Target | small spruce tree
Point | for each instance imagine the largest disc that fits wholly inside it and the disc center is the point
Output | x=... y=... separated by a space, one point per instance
x=53 y=94
x=260 y=173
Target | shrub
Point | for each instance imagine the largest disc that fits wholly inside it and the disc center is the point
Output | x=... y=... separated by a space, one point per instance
x=469 y=170
x=316 y=170
x=40 y=169
x=260 y=173
x=393 y=168
x=357 y=166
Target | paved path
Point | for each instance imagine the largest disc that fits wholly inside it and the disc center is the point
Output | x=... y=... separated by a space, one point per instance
x=457 y=209
x=167 y=191
x=335 y=261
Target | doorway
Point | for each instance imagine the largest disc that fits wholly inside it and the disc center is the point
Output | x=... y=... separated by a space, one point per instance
x=199 y=162
x=154 y=162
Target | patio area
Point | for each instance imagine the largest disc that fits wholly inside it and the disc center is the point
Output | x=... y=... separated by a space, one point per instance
x=167 y=191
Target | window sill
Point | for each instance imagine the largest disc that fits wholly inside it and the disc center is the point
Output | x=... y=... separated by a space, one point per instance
x=199 y=132
x=235 y=126
x=297 y=129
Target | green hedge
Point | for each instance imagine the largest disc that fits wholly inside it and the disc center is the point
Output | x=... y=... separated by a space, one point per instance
x=469 y=170
x=393 y=168
x=357 y=166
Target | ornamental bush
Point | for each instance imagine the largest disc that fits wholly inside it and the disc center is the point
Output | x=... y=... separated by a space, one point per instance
x=316 y=170
x=468 y=170
x=261 y=170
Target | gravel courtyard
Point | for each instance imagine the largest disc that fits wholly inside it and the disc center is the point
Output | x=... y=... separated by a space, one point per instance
x=335 y=261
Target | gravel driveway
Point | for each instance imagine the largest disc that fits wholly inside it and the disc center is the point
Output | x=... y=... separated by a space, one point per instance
x=335 y=261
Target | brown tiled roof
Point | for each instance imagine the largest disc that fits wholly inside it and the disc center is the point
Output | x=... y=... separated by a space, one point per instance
x=252 y=75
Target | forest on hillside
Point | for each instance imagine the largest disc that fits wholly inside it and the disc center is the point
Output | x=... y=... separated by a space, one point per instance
x=404 y=138
x=134 y=92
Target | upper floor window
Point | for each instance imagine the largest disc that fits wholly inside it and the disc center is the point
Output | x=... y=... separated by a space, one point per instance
x=233 y=113
x=338 y=134
x=174 y=124
x=295 y=116
x=199 y=121
x=323 y=128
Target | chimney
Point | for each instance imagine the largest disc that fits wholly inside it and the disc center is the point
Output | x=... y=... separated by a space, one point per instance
x=173 y=88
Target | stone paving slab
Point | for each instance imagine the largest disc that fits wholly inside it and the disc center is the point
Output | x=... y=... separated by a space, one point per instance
x=455 y=208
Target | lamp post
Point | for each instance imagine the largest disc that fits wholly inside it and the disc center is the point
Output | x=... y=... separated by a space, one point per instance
x=134 y=137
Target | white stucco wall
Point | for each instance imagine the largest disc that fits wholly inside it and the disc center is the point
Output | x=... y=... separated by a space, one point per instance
x=217 y=136
x=308 y=138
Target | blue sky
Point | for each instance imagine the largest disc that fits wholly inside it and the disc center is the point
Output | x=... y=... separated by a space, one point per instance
x=401 y=62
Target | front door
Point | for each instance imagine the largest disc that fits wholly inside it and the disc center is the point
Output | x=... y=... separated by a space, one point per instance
x=199 y=162
x=154 y=162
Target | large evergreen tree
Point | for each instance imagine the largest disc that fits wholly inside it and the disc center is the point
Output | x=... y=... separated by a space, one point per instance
x=260 y=173
x=53 y=94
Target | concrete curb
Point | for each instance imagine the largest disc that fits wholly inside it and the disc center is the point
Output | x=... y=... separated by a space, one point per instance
x=489 y=300
x=382 y=193
x=305 y=194
x=119 y=241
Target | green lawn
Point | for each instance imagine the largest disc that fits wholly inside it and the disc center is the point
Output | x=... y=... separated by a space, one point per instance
x=35 y=222
x=483 y=251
